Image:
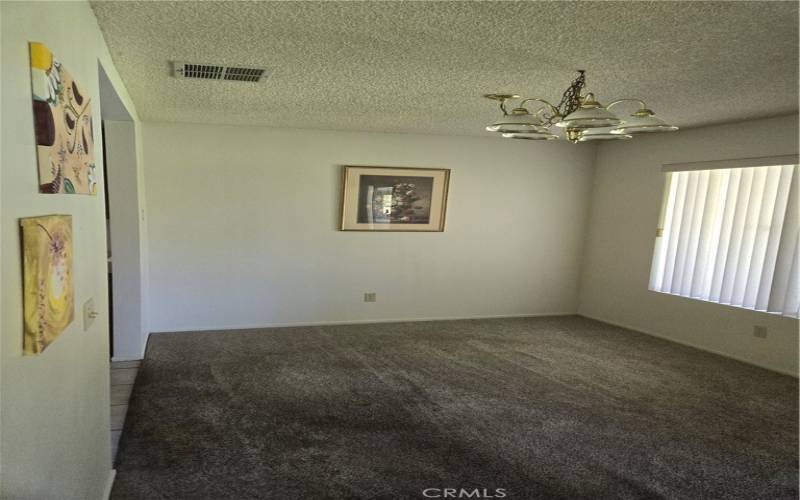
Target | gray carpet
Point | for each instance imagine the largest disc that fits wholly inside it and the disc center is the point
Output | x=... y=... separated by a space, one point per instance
x=559 y=407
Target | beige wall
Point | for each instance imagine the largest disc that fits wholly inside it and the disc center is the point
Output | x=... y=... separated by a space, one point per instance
x=126 y=235
x=243 y=228
x=54 y=413
x=626 y=200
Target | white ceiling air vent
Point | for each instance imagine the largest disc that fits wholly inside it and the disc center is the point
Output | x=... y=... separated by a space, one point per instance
x=217 y=72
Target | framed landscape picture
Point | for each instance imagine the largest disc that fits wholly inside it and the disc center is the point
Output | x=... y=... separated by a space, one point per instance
x=394 y=199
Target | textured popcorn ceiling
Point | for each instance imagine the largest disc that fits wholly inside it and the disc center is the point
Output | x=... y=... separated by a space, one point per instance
x=422 y=66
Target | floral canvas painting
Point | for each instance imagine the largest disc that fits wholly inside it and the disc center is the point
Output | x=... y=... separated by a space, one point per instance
x=47 y=279
x=62 y=120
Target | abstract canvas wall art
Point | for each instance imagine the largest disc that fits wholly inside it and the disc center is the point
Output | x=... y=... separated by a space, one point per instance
x=62 y=120
x=48 y=301
x=394 y=199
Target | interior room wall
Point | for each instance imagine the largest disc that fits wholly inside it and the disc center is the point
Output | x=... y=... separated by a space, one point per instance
x=54 y=407
x=243 y=228
x=129 y=330
x=625 y=207
x=128 y=225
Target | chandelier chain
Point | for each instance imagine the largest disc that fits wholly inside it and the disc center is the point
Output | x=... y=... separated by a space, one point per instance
x=570 y=101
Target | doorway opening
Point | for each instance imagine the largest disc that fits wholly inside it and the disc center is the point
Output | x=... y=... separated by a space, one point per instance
x=124 y=199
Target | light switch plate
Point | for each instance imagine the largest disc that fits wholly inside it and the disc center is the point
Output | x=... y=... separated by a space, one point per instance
x=88 y=314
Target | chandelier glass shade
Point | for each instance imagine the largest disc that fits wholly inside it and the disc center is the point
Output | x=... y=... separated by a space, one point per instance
x=644 y=120
x=518 y=121
x=580 y=115
x=590 y=114
x=601 y=134
x=532 y=136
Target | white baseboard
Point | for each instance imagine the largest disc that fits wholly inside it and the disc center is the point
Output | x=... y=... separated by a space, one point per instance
x=191 y=329
x=693 y=345
x=109 y=484
x=114 y=359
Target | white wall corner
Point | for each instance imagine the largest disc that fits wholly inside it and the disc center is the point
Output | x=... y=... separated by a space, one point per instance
x=109 y=484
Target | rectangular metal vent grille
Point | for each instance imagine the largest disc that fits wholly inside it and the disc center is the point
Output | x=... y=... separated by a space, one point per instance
x=244 y=74
x=216 y=72
x=202 y=71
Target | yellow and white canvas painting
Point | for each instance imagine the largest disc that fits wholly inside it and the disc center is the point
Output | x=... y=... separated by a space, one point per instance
x=47 y=279
x=62 y=120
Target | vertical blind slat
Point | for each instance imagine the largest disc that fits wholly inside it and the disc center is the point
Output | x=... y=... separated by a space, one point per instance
x=674 y=230
x=725 y=234
x=791 y=304
x=774 y=238
x=761 y=237
x=737 y=231
x=694 y=235
x=685 y=234
x=787 y=250
x=749 y=235
x=660 y=249
x=711 y=229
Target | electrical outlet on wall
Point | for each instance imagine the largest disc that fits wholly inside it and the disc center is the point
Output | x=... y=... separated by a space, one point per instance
x=760 y=331
x=89 y=314
x=370 y=297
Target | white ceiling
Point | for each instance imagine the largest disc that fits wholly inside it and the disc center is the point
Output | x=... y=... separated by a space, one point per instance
x=422 y=66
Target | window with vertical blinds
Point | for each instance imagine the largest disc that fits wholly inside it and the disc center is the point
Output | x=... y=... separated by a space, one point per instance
x=732 y=236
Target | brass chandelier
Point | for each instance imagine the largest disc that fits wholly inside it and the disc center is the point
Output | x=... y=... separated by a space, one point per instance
x=580 y=115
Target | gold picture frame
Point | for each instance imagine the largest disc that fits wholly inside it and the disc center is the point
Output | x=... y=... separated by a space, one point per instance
x=394 y=198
